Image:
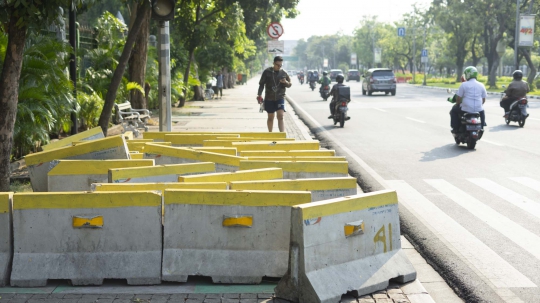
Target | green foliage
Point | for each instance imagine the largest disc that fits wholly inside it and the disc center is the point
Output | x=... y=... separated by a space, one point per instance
x=91 y=106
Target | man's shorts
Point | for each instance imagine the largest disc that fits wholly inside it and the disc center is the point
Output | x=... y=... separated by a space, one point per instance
x=271 y=106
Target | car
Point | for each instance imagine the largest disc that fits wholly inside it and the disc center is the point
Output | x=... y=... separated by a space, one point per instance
x=379 y=80
x=353 y=74
x=334 y=73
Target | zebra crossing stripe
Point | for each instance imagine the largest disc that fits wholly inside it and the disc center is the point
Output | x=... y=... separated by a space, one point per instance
x=487 y=262
x=510 y=229
x=508 y=195
x=529 y=182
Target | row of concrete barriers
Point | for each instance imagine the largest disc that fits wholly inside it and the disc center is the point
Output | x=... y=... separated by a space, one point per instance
x=182 y=208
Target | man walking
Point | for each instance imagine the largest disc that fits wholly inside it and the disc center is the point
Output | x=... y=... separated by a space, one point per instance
x=275 y=80
x=219 y=79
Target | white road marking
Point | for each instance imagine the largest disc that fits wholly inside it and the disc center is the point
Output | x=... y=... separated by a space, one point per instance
x=488 y=263
x=379 y=109
x=415 y=120
x=508 y=195
x=529 y=182
x=510 y=229
x=494 y=143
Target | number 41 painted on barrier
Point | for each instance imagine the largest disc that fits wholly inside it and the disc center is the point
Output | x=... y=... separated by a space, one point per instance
x=381 y=236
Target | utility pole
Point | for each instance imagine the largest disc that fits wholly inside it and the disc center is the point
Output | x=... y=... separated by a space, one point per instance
x=414 y=55
x=425 y=62
x=73 y=64
x=516 y=63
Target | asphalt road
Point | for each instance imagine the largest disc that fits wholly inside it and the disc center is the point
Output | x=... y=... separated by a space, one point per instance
x=477 y=212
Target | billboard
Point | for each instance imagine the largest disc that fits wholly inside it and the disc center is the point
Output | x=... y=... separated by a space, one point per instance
x=526 y=30
x=377 y=55
x=353 y=59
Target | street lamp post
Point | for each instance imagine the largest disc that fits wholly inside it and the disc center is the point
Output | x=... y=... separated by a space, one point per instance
x=163 y=11
x=516 y=63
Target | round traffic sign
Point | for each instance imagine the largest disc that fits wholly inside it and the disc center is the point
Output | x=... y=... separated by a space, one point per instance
x=274 y=30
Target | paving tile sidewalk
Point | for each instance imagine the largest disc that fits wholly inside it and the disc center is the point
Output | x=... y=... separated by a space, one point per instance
x=236 y=111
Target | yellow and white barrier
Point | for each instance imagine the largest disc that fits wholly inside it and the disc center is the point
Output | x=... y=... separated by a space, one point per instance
x=193 y=139
x=254 y=174
x=86 y=237
x=136 y=156
x=39 y=164
x=176 y=155
x=161 y=186
x=231 y=151
x=290 y=153
x=5 y=237
x=231 y=236
x=78 y=175
x=320 y=188
x=277 y=145
x=344 y=245
x=91 y=134
x=160 y=173
x=224 y=143
x=160 y=136
x=139 y=146
x=302 y=169
x=295 y=158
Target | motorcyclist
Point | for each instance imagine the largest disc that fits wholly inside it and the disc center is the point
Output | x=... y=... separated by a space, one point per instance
x=470 y=98
x=325 y=81
x=335 y=95
x=300 y=76
x=516 y=89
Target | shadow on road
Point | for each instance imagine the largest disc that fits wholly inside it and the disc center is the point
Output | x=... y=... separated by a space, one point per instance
x=504 y=127
x=445 y=152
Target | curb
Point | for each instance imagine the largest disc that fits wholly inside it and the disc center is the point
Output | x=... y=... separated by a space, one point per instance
x=442 y=88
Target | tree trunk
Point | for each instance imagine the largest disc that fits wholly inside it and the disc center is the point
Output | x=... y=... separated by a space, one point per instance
x=186 y=77
x=137 y=62
x=532 y=72
x=121 y=67
x=198 y=94
x=9 y=95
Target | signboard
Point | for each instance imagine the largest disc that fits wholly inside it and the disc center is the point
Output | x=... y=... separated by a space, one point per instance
x=276 y=46
x=424 y=58
x=377 y=55
x=274 y=30
x=526 y=30
x=353 y=59
x=325 y=63
x=290 y=58
x=401 y=32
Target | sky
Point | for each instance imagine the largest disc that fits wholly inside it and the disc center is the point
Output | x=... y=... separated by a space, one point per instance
x=328 y=17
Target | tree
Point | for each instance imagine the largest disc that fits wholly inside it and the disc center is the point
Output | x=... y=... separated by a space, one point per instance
x=17 y=17
x=137 y=61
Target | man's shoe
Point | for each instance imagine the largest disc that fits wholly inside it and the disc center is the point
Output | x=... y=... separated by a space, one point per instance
x=331 y=117
x=348 y=118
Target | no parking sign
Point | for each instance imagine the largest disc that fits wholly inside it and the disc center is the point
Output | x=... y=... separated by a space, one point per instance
x=274 y=30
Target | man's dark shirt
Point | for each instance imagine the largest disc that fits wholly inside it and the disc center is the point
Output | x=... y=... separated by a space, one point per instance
x=335 y=92
x=269 y=79
x=517 y=89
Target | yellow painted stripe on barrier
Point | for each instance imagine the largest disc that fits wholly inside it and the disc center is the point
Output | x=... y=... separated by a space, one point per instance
x=161 y=135
x=5 y=198
x=95 y=167
x=69 y=200
x=222 y=143
x=158 y=170
x=231 y=151
x=194 y=138
x=158 y=186
x=80 y=149
x=232 y=197
x=338 y=167
x=140 y=141
x=139 y=146
x=255 y=174
x=291 y=153
x=238 y=221
x=298 y=184
x=86 y=222
x=128 y=135
x=277 y=145
x=347 y=204
x=77 y=137
x=256 y=139
x=202 y=156
x=354 y=228
x=136 y=156
x=299 y=158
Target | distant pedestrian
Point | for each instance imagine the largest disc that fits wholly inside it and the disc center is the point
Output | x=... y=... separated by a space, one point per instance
x=275 y=80
x=219 y=78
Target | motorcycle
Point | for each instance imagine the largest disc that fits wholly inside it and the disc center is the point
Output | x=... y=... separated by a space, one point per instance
x=312 y=85
x=324 y=92
x=341 y=107
x=518 y=111
x=470 y=129
x=301 y=79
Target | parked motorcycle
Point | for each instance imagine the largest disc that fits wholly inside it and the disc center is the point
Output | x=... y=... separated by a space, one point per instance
x=518 y=111
x=324 y=92
x=470 y=129
x=312 y=85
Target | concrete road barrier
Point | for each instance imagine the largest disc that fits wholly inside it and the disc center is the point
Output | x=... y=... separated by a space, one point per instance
x=231 y=151
x=39 y=164
x=161 y=186
x=231 y=236
x=139 y=146
x=302 y=169
x=224 y=143
x=257 y=139
x=128 y=135
x=320 y=188
x=293 y=153
x=176 y=155
x=86 y=237
x=136 y=156
x=159 y=173
x=193 y=139
x=254 y=174
x=91 y=134
x=6 y=240
x=78 y=175
x=277 y=145
x=344 y=245
x=160 y=136
x=295 y=158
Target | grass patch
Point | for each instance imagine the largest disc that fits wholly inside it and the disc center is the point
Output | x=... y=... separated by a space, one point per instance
x=20 y=187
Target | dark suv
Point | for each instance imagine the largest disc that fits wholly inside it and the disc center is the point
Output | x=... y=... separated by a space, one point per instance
x=334 y=73
x=353 y=74
x=379 y=80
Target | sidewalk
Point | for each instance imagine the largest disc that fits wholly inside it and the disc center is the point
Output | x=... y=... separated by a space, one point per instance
x=237 y=111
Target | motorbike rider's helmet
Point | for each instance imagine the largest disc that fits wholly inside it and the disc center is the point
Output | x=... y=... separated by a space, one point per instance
x=517 y=74
x=470 y=72
x=339 y=78
x=325 y=73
